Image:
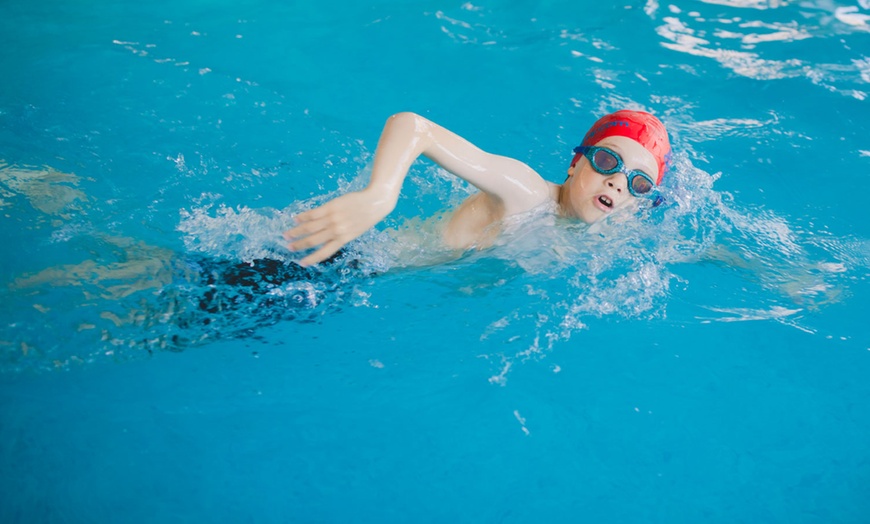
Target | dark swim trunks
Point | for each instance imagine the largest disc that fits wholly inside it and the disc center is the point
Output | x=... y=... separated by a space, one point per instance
x=231 y=284
x=216 y=298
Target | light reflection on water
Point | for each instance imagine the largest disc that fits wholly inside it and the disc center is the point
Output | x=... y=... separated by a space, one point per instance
x=754 y=48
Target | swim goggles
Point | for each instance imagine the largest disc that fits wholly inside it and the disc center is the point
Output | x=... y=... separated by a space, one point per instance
x=607 y=162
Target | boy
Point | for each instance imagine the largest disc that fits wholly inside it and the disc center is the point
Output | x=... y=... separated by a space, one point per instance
x=623 y=156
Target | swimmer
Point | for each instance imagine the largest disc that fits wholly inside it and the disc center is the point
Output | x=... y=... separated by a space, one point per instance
x=622 y=158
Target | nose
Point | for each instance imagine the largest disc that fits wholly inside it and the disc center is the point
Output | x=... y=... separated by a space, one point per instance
x=618 y=181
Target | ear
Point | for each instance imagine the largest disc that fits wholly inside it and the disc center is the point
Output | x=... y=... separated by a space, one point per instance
x=574 y=162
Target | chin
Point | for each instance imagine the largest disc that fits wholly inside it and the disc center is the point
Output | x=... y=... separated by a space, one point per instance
x=590 y=217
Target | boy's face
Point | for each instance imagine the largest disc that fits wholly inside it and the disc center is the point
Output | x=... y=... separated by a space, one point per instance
x=589 y=195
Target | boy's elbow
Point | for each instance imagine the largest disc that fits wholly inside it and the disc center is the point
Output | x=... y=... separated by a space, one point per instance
x=409 y=122
x=404 y=116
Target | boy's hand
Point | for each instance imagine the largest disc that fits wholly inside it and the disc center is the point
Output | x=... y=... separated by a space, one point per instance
x=336 y=223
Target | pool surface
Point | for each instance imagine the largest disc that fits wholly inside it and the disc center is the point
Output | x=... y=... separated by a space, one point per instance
x=702 y=361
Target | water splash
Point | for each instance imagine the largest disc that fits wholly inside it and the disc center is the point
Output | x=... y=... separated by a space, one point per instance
x=624 y=268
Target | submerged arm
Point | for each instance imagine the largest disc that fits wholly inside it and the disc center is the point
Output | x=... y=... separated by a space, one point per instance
x=510 y=184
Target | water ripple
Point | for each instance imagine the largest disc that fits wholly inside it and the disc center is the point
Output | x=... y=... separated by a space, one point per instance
x=766 y=49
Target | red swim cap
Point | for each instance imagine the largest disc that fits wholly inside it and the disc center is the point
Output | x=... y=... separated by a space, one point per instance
x=639 y=126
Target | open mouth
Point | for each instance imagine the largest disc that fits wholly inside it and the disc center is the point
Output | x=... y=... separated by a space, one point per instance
x=606 y=201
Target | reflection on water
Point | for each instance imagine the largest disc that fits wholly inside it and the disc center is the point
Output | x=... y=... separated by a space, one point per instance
x=754 y=4
x=50 y=192
x=748 y=42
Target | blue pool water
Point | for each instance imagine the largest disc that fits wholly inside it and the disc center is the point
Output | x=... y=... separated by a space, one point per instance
x=707 y=362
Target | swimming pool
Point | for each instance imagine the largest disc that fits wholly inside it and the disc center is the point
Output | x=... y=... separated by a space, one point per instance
x=707 y=363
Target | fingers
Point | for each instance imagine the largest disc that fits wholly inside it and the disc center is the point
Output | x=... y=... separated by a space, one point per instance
x=308 y=222
x=316 y=232
x=315 y=228
x=303 y=230
x=328 y=249
x=313 y=214
x=315 y=239
x=331 y=226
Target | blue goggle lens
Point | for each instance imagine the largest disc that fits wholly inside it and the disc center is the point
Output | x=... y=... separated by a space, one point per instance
x=640 y=185
x=605 y=162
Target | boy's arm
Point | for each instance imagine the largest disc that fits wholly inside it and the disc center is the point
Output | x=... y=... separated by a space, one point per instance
x=513 y=186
